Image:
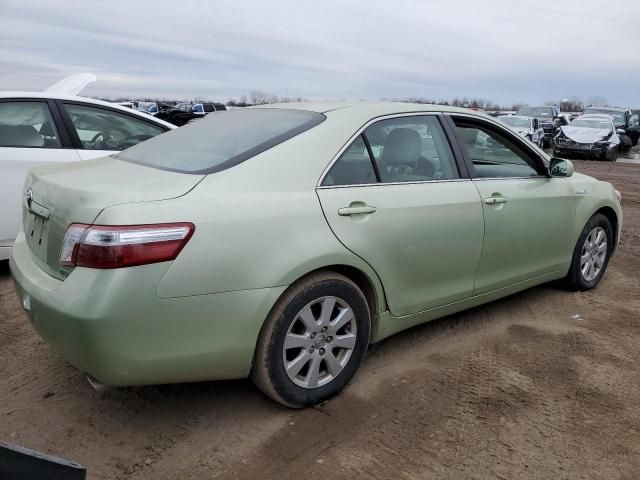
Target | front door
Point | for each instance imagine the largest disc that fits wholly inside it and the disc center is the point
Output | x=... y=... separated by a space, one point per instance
x=528 y=216
x=395 y=198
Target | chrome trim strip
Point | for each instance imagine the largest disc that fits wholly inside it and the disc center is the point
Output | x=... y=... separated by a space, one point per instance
x=536 y=177
x=382 y=184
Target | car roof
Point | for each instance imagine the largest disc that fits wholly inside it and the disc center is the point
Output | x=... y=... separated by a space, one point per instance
x=75 y=98
x=373 y=109
x=514 y=116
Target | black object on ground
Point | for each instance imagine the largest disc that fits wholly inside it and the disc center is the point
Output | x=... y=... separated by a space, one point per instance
x=17 y=463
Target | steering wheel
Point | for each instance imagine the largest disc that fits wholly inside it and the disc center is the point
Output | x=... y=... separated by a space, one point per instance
x=96 y=136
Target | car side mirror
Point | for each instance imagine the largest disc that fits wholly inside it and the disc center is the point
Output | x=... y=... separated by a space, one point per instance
x=621 y=131
x=560 y=167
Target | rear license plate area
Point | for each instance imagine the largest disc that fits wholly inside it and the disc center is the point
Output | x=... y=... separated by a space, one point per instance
x=36 y=230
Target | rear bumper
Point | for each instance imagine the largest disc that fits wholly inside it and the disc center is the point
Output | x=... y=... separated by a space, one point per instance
x=112 y=325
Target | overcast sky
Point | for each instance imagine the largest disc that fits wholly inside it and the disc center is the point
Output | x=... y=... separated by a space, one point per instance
x=502 y=50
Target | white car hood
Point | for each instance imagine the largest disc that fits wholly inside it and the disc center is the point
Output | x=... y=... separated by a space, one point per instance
x=585 y=135
x=71 y=85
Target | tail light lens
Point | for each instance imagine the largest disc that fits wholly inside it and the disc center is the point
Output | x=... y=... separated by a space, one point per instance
x=106 y=246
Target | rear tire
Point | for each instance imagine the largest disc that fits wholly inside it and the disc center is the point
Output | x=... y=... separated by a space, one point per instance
x=313 y=341
x=591 y=254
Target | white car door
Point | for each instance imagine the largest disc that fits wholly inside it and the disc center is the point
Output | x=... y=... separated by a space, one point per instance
x=29 y=137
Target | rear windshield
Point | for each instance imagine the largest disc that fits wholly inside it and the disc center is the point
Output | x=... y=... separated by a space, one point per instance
x=220 y=141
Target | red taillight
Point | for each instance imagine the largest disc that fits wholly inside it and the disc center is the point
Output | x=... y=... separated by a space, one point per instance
x=106 y=246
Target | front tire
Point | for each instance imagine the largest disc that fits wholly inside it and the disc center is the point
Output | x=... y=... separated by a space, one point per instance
x=313 y=341
x=591 y=254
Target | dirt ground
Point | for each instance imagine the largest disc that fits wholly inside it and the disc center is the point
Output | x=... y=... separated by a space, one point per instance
x=542 y=385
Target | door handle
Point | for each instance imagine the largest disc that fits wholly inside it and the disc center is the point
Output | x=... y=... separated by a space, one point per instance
x=494 y=200
x=347 y=211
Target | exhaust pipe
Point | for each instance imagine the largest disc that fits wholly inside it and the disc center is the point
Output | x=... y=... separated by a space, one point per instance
x=97 y=385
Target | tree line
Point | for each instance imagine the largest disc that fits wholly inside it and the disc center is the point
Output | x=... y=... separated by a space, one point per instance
x=261 y=97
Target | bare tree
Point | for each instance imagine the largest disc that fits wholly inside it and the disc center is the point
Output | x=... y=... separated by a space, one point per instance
x=260 y=97
x=597 y=101
x=571 y=104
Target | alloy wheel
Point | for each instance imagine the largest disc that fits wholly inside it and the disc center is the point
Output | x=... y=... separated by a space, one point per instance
x=319 y=342
x=594 y=254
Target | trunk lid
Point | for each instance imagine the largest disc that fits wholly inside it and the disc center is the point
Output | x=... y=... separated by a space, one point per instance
x=76 y=192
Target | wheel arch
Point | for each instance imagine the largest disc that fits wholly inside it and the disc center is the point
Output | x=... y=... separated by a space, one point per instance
x=366 y=280
x=370 y=287
x=364 y=283
x=612 y=216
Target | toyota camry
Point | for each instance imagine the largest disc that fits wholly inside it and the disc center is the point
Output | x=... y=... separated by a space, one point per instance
x=280 y=242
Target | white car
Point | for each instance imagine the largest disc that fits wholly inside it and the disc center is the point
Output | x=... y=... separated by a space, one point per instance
x=58 y=126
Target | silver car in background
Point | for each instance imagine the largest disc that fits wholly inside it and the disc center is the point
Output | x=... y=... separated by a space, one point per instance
x=589 y=136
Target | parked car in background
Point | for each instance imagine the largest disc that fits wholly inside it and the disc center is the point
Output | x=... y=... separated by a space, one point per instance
x=280 y=241
x=498 y=113
x=131 y=105
x=50 y=127
x=184 y=112
x=590 y=136
x=624 y=119
x=569 y=116
x=549 y=119
x=526 y=127
x=150 y=108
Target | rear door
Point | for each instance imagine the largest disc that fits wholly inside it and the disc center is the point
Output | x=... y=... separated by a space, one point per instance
x=29 y=136
x=529 y=216
x=98 y=131
x=397 y=197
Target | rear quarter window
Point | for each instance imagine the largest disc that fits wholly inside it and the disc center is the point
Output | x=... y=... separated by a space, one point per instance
x=218 y=142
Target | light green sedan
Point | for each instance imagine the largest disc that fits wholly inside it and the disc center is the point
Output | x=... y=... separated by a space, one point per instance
x=279 y=242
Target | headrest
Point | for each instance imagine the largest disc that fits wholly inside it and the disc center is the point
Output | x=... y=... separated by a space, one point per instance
x=20 y=136
x=403 y=147
x=47 y=130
